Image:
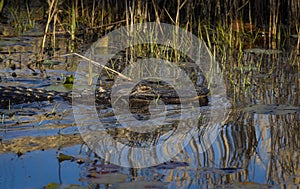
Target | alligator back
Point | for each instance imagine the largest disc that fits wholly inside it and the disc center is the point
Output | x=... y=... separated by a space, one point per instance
x=11 y=95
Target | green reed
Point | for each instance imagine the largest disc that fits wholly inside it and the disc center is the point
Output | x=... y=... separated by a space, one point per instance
x=228 y=27
x=73 y=21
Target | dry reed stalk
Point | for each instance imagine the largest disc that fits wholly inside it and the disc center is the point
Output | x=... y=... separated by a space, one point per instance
x=98 y=64
x=52 y=11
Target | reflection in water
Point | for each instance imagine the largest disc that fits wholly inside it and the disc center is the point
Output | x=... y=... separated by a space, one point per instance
x=256 y=144
x=264 y=143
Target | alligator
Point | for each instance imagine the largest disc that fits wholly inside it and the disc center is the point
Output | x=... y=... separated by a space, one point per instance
x=12 y=95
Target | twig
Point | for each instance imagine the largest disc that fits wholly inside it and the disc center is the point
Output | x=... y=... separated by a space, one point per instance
x=98 y=64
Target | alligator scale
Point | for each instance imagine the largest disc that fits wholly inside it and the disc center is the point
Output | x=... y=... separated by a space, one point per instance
x=145 y=92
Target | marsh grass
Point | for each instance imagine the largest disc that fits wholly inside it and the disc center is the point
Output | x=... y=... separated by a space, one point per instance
x=227 y=27
x=22 y=20
x=220 y=22
x=230 y=21
x=1 y=5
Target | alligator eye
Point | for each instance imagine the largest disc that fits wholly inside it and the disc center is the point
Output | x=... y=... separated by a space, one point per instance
x=49 y=97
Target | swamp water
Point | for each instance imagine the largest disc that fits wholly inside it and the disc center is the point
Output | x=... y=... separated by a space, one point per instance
x=257 y=146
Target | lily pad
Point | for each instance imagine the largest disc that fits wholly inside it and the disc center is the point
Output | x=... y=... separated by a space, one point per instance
x=263 y=51
x=53 y=185
x=50 y=62
x=277 y=109
x=63 y=157
x=59 y=88
x=105 y=178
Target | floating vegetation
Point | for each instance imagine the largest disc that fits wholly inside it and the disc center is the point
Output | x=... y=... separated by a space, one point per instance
x=50 y=63
x=53 y=185
x=109 y=178
x=63 y=157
